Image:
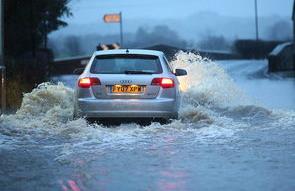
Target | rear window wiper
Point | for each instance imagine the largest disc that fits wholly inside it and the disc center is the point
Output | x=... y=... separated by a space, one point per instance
x=138 y=72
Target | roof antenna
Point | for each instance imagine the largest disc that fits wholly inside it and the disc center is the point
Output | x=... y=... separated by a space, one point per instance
x=127 y=51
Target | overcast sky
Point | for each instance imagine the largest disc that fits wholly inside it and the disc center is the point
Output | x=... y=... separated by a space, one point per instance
x=90 y=11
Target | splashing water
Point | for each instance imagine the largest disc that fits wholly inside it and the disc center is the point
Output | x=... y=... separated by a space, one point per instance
x=47 y=105
x=206 y=89
x=207 y=83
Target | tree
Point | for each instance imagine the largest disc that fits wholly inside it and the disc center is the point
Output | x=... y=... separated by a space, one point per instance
x=28 y=22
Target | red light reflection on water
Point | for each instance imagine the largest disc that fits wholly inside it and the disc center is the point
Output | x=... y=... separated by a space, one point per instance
x=70 y=185
x=172 y=180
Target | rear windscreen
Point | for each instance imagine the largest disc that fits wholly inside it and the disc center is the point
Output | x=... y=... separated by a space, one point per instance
x=122 y=64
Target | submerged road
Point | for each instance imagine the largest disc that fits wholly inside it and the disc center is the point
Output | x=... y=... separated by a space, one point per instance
x=236 y=132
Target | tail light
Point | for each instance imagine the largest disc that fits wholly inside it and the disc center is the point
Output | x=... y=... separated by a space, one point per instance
x=88 y=82
x=163 y=82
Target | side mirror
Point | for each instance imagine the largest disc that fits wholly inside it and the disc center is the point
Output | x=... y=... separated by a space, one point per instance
x=180 y=72
x=78 y=71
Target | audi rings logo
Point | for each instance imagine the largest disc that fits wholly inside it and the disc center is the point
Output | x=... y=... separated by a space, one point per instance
x=125 y=81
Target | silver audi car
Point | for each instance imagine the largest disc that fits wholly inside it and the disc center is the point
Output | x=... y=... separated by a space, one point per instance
x=128 y=83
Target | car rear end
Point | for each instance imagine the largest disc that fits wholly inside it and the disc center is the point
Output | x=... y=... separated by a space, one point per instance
x=127 y=84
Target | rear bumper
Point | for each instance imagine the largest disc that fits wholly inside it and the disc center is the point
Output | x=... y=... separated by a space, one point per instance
x=129 y=108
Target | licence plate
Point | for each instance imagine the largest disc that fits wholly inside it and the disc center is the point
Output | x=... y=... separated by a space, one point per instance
x=129 y=89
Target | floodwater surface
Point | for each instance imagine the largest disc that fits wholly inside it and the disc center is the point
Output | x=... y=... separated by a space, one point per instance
x=236 y=131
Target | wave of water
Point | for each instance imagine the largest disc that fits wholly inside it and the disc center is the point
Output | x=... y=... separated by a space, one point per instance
x=213 y=109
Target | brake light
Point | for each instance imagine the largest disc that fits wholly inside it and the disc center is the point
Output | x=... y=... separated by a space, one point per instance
x=88 y=82
x=163 y=82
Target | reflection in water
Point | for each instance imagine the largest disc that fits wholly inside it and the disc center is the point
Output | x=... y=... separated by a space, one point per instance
x=70 y=185
x=171 y=177
x=170 y=180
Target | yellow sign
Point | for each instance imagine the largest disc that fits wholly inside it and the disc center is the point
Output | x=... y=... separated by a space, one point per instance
x=127 y=89
x=112 y=18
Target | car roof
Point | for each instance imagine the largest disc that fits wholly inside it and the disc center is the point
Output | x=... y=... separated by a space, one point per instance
x=129 y=51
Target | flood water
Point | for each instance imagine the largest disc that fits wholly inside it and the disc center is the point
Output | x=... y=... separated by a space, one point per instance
x=236 y=132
